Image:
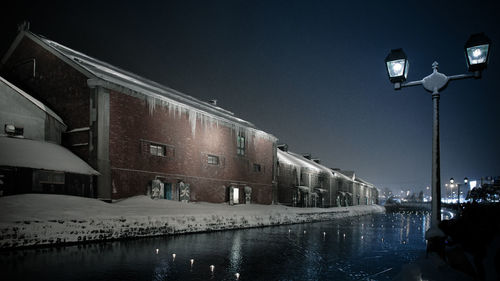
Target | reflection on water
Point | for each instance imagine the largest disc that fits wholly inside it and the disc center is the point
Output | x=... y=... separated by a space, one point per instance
x=367 y=248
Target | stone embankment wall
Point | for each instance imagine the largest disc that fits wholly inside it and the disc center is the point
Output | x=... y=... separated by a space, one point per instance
x=32 y=233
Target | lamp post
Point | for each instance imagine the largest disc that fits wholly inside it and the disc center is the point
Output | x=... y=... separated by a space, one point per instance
x=466 y=182
x=476 y=53
x=453 y=184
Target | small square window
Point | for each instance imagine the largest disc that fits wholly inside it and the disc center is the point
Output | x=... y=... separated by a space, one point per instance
x=157 y=149
x=213 y=160
x=256 y=168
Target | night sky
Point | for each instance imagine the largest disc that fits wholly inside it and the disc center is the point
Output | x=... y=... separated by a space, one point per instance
x=309 y=72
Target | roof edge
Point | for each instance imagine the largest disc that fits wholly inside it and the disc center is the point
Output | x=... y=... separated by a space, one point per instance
x=34 y=101
x=13 y=46
x=36 y=38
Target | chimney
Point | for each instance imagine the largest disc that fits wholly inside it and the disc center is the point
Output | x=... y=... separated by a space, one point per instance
x=24 y=26
x=307 y=155
x=316 y=161
x=283 y=147
x=213 y=102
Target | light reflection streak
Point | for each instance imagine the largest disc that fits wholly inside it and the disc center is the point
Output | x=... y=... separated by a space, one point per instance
x=235 y=257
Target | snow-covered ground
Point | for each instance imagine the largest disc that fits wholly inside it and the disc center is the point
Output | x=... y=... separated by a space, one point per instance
x=44 y=219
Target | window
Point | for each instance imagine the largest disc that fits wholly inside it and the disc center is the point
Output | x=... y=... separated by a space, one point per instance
x=157 y=149
x=50 y=177
x=256 y=168
x=212 y=159
x=240 y=144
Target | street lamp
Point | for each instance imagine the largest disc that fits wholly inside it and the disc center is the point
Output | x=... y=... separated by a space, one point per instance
x=477 y=52
x=397 y=66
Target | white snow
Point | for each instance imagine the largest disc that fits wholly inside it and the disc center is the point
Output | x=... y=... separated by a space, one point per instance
x=83 y=129
x=19 y=152
x=39 y=219
x=298 y=161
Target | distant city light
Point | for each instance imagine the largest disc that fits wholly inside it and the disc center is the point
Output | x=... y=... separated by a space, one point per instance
x=472 y=184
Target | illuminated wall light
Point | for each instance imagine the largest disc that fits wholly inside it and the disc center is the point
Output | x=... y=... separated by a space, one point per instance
x=212 y=267
x=173 y=256
x=157 y=251
x=237 y=275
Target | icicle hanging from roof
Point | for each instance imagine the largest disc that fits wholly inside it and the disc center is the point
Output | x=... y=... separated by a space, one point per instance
x=207 y=120
x=192 y=121
x=152 y=104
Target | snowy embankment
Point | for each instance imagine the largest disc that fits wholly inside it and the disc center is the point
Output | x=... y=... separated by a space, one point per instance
x=42 y=219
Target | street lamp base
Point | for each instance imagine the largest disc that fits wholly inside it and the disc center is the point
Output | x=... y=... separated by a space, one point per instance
x=436 y=245
x=435 y=241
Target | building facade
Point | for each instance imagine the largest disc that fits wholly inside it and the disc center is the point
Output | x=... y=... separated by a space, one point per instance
x=143 y=137
x=304 y=182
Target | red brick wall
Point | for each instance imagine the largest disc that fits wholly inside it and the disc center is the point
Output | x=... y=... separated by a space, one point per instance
x=58 y=85
x=133 y=167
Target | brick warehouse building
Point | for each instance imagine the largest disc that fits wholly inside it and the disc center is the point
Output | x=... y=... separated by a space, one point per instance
x=142 y=137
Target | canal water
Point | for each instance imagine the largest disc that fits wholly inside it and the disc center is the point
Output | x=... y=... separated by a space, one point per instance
x=372 y=247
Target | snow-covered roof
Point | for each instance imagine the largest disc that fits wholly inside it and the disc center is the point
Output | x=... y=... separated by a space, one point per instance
x=295 y=159
x=364 y=182
x=98 y=72
x=339 y=174
x=32 y=100
x=349 y=174
x=19 y=152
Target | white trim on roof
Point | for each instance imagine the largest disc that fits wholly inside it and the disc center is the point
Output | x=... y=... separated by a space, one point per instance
x=299 y=160
x=36 y=102
x=40 y=40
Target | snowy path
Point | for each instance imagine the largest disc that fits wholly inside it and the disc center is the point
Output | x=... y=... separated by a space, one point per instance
x=42 y=219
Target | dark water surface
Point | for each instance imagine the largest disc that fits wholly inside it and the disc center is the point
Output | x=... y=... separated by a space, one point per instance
x=371 y=247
